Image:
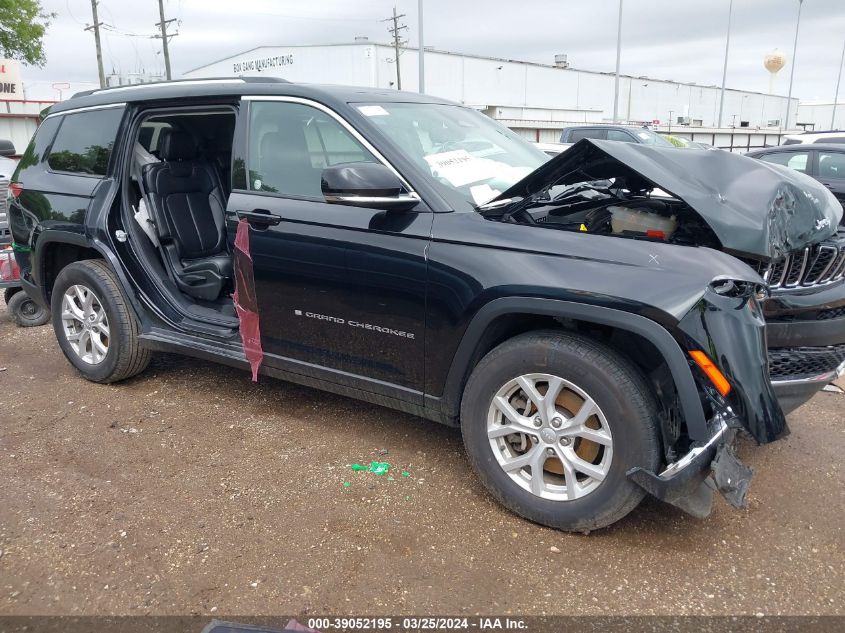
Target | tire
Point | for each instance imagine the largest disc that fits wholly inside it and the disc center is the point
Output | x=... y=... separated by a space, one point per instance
x=26 y=312
x=119 y=354
x=624 y=426
x=8 y=293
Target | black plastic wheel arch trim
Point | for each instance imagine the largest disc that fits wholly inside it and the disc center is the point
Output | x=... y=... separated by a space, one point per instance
x=668 y=347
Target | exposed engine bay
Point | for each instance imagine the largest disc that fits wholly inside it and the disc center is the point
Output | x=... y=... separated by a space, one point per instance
x=612 y=206
x=711 y=198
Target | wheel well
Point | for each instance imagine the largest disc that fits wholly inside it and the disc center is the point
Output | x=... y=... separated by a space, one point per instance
x=56 y=256
x=641 y=352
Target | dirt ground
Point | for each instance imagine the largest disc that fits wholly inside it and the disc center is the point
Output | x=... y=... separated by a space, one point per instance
x=190 y=490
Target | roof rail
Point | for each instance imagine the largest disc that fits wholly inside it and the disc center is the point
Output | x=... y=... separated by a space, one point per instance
x=248 y=80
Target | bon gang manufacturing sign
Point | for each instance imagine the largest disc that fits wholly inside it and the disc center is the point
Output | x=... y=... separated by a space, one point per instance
x=262 y=63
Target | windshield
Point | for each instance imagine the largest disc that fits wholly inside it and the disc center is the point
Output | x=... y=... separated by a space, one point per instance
x=647 y=137
x=461 y=148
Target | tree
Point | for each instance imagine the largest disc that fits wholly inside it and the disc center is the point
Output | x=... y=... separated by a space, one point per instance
x=22 y=27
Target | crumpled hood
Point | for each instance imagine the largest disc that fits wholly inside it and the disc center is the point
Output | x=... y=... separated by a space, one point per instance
x=753 y=207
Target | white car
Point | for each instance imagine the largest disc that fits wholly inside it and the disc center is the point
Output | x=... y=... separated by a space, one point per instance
x=832 y=136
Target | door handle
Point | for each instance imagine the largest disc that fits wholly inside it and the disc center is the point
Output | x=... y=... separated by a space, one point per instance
x=259 y=216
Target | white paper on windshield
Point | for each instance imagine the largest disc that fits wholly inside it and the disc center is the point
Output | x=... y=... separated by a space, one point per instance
x=483 y=193
x=372 y=110
x=460 y=167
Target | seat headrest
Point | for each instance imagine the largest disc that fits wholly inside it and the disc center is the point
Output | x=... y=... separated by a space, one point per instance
x=176 y=145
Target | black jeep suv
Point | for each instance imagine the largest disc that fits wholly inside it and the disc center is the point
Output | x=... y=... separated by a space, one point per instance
x=596 y=324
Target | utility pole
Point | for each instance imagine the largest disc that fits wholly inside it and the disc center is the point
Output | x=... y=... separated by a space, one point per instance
x=792 y=68
x=396 y=32
x=163 y=24
x=618 y=58
x=96 y=28
x=422 y=47
x=725 y=67
x=836 y=97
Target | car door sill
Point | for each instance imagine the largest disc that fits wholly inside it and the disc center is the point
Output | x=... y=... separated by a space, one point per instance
x=300 y=372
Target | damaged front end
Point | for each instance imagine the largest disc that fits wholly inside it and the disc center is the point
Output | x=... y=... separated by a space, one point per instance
x=708 y=198
x=694 y=198
x=724 y=335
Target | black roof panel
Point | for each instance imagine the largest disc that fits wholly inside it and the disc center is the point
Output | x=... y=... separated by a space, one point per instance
x=236 y=87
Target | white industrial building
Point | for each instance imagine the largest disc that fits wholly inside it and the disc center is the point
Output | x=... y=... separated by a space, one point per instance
x=818 y=115
x=535 y=99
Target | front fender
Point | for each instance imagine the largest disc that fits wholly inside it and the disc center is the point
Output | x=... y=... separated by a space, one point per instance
x=676 y=360
x=731 y=329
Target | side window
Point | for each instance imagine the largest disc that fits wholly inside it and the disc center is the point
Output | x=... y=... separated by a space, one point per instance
x=794 y=160
x=831 y=165
x=85 y=141
x=619 y=135
x=291 y=143
x=834 y=139
x=39 y=143
x=577 y=135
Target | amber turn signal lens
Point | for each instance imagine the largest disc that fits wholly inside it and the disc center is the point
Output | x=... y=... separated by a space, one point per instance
x=716 y=377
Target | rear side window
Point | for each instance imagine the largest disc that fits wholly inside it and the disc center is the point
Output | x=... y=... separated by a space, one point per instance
x=39 y=143
x=794 y=160
x=85 y=141
x=831 y=165
x=619 y=135
x=577 y=135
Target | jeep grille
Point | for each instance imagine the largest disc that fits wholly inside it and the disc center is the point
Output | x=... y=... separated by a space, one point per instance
x=814 y=266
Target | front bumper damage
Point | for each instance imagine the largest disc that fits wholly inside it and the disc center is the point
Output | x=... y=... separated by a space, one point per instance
x=728 y=325
x=689 y=482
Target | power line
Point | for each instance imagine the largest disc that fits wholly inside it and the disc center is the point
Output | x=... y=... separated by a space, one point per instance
x=398 y=42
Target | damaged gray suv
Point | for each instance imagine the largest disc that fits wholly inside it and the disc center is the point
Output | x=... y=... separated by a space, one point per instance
x=600 y=325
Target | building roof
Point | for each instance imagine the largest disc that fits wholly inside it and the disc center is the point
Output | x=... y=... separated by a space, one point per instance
x=429 y=49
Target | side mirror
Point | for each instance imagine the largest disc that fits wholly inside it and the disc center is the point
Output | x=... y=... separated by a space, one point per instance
x=368 y=185
x=7 y=148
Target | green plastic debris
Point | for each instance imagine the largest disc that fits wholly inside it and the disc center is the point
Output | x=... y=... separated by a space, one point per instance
x=405 y=473
x=379 y=468
x=407 y=497
x=346 y=484
x=390 y=478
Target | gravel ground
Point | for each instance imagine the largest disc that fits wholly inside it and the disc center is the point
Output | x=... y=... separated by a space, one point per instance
x=190 y=490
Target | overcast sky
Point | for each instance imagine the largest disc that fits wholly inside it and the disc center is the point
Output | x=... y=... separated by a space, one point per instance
x=667 y=39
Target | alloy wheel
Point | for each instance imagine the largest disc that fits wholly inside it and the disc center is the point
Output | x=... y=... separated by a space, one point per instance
x=85 y=324
x=550 y=437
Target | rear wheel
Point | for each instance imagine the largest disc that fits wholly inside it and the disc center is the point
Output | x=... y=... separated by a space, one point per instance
x=553 y=422
x=26 y=312
x=94 y=326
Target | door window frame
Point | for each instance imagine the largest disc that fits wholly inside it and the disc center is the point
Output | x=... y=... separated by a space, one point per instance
x=246 y=113
x=61 y=117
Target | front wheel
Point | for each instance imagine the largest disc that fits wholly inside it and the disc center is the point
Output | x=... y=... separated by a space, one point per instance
x=97 y=332
x=552 y=422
